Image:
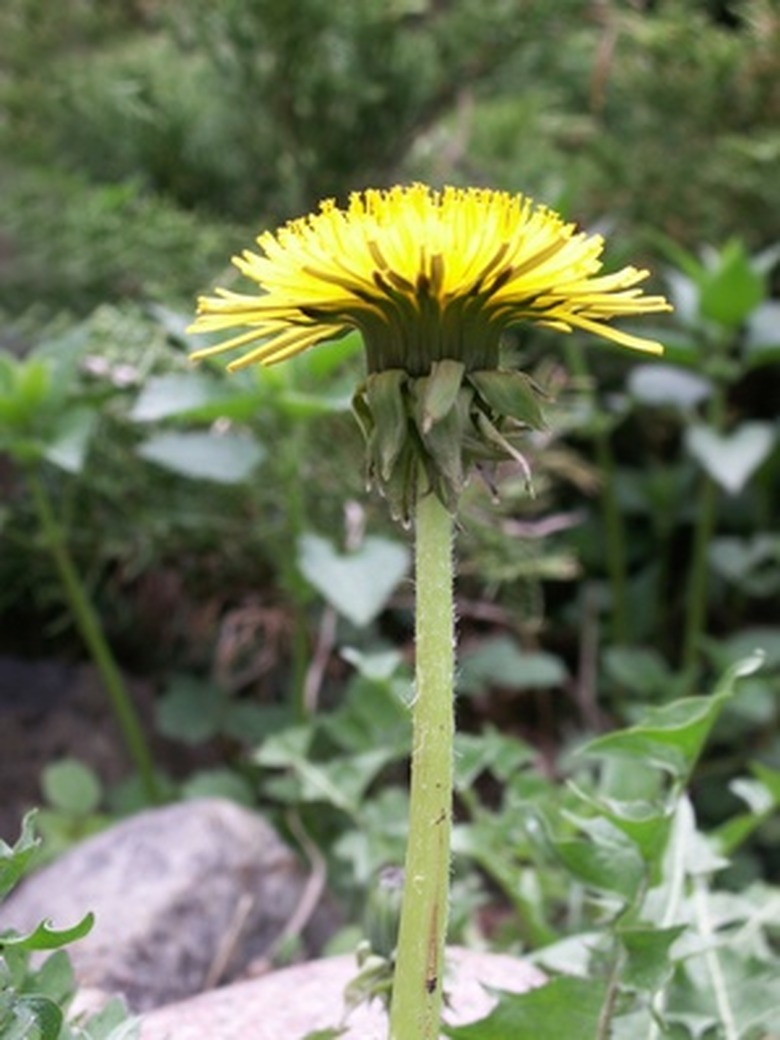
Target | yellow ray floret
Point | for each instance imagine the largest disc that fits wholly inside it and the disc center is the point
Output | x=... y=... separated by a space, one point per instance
x=411 y=266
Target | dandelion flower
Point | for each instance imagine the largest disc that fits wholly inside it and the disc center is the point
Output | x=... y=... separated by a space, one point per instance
x=431 y=280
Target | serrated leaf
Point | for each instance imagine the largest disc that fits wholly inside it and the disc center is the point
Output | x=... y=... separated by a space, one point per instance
x=357 y=584
x=564 y=1007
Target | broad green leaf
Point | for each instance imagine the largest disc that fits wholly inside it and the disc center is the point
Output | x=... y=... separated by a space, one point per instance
x=226 y=458
x=190 y=710
x=672 y=737
x=731 y=288
x=489 y=751
x=501 y=662
x=66 y=447
x=640 y=669
x=371 y=714
x=44 y=1013
x=762 y=335
x=219 y=783
x=731 y=459
x=357 y=584
x=179 y=394
x=667 y=386
x=564 y=1007
x=71 y=787
x=648 y=963
x=112 y=1023
x=606 y=860
x=646 y=824
x=45 y=937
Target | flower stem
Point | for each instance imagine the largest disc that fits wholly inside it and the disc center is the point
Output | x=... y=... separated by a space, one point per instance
x=706 y=518
x=91 y=632
x=415 y=1012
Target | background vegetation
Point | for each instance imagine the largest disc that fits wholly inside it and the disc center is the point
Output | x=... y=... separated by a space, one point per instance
x=233 y=562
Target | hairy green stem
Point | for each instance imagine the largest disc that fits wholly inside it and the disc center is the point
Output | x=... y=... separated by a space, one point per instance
x=91 y=632
x=415 y=1012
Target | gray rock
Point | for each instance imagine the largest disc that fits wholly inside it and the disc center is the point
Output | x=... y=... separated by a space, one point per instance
x=290 y=1003
x=185 y=896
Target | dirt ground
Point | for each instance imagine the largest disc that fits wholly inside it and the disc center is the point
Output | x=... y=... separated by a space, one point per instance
x=50 y=710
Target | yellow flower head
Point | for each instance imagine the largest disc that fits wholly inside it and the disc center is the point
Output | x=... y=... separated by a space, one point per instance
x=423 y=275
x=431 y=280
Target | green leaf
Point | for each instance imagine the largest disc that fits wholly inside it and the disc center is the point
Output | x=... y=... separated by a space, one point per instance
x=672 y=737
x=565 y=1007
x=501 y=662
x=45 y=1014
x=112 y=1023
x=219 y=783
x=490 y=751
x=731 y=459
x=512 y=394
x=46 y=938
x=190 y=710
x=731 y=288
x=606 y=861
x=341 y=781
x=645 y=824
x=648 y=963
x=71 y=787
x=227 y=458
x=180 y=394
x=667 y=386
x=66 y=447
x=357 y=584
x=17 y=860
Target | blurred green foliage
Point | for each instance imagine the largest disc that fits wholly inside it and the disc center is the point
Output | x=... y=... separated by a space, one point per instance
x=215 y=517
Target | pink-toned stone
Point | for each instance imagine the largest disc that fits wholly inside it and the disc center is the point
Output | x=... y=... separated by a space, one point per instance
x=288 y=1004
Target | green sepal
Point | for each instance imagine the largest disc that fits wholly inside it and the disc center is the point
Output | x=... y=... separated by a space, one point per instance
x=400 y=487
x=510 y=393
x=439 y=392
x=443 y=441
x=384 y=394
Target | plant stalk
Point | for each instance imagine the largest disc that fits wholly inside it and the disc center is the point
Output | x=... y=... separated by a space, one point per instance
x=706 y=517
x=415 y=1012
x=89 y=627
